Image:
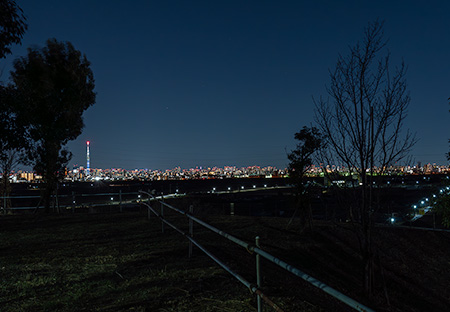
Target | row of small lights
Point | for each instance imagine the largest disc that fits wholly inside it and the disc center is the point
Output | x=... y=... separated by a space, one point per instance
x=229 y=188
x=425 y=200
x=422 y=202
x=213 y=190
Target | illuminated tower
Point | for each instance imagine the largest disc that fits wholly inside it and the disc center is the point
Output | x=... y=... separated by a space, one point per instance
x=87 y=158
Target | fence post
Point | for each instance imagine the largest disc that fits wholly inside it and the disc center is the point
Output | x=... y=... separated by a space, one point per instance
x=258 y=275
x=73 y=202
x=191 y=229
x=56 y=200
x=162 y=212
x=120 y=200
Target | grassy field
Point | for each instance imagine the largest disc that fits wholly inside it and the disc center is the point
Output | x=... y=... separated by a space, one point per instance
x=122 y=262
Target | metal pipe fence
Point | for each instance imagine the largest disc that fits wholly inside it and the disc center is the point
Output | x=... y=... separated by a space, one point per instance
x=254 y=289
x=252 y=248
x=72 y=201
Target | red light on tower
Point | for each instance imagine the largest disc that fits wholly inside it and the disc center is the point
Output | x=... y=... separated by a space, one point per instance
x=87 y=142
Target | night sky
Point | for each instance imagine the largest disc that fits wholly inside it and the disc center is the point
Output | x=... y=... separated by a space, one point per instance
x=214 y=83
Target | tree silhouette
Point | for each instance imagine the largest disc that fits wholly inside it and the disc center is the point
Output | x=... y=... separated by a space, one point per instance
x=362 y=123
x=300 y=160
x=55 y=85
x=442 y=204
x=12 y=26
x=13 y=140
x=448 y=154
x=12 y=29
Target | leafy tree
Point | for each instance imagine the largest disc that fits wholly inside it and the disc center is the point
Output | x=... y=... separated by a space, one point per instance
x=442 y=207
x=12 y=29
x=55 y=85
x=12 y=139
x=309 y=142
x=12 y=26
x=362 y=123
x=448 y=154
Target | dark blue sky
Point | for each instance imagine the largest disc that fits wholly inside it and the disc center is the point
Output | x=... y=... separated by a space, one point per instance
x=203 y=83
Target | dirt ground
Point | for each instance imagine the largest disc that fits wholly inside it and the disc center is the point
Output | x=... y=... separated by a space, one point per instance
x=123 y=262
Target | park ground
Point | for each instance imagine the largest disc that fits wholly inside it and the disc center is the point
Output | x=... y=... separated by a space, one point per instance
x=123 y=262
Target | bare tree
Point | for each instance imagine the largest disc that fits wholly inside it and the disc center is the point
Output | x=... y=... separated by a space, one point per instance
x=362 y=123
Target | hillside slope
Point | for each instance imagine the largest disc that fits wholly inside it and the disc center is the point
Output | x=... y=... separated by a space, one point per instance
x=122 y=262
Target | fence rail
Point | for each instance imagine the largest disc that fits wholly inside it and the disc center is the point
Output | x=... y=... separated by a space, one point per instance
x=313 y=281
x=70 y=201
x=251 y=287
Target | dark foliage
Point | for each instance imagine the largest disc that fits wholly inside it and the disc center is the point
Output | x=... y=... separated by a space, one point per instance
x=300 y=160
x=12 y=26
x=55 y=85
x=309 y=141
x=448 y=154
x=12 y=141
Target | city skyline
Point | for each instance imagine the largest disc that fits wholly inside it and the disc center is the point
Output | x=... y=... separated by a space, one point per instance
x=215 y=84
